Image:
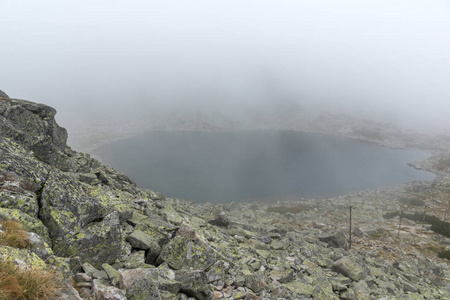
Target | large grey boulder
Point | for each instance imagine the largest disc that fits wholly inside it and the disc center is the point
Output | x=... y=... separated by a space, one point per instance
x=33 y=126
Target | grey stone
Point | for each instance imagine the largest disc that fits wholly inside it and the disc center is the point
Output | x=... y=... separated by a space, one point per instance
x=140 y=240
x=194 y=284
x=334 y=239
x=220 y=219
x=88 y=178
x=181 y=252
x=39 y=246
x=266 y=239
x=350 y=267
x=144 y=288
x=102 y=291
x=89 y=269
x=128 y=277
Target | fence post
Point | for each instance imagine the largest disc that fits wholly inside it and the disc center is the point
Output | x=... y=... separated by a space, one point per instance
x=400 y=224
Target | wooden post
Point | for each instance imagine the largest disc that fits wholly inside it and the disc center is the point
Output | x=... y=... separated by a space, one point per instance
x=400 y=224
x=350 y=230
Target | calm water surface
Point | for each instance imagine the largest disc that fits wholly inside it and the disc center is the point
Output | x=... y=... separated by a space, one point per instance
x=221 y=167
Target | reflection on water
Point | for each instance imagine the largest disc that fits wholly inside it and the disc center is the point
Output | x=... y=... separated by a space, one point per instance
x=223 y=167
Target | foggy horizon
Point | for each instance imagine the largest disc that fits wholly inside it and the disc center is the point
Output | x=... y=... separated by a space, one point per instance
x=383 y=60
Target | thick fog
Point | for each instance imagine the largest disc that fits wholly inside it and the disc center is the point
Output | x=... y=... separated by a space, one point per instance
x=94 y=60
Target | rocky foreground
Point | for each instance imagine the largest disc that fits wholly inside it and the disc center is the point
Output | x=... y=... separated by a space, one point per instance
x=108 y=239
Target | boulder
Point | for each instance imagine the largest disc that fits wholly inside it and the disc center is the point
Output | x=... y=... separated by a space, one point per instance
x=255 y=282
x=334 y=239
x=140 y=240
x=144 y=288
x=39 y=246
x=129 y=276
x=194 y=284
x=181 y=252
x=220 y=219
x=323 y=290
x=102 y=291
x=113 y=274
x=350 y=267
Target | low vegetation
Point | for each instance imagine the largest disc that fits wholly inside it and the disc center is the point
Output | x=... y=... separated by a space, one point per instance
x=23 y=282
x=412 y=201
x=437 y=225
x=26 y=283
x=444 y=254
x=443 y=164
x=13 y=235
x=283 y=209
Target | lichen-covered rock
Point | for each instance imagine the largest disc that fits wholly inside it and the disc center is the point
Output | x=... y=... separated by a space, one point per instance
x=140 y=240
x=29 y=223
x=39 y=246
x=282 y=276
x=33 y=126
x=171 y=215
x=18 y=198
x=145 y=288
x=128 y=277
x=21 y=257
x=97 y=243
x=350 y=267
x=361 y=290
x=113 y=274
x=102 y=291
x=334 y=239
x=194 y=284
x=300 y=288
x=255 y=282
x=323 y=290
x=220 y=219
x=181 y=252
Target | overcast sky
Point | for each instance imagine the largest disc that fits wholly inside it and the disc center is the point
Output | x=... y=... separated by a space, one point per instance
x=387 y=57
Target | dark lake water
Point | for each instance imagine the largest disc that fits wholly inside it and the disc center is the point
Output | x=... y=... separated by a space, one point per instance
x=221 y=167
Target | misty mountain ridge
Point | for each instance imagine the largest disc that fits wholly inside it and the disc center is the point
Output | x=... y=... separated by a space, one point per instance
x=93 y=132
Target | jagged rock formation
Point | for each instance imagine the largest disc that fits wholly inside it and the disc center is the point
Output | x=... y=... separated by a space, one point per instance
x=117 y=241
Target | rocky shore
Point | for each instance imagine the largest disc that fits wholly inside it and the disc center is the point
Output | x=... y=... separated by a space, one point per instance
x=109 y=239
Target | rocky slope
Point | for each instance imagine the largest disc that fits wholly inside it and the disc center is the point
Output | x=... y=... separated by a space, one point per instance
x=111 y=240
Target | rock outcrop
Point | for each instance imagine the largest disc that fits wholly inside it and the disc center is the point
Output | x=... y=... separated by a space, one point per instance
x=116 y=241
